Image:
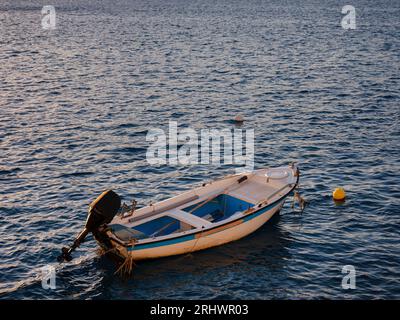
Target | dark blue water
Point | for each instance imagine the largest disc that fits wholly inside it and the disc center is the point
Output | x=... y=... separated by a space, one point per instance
x=76 y=104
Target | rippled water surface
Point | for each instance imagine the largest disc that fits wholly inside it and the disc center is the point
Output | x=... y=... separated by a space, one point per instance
x=76 y=104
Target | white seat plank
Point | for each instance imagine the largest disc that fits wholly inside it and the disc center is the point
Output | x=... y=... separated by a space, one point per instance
x=188 y=218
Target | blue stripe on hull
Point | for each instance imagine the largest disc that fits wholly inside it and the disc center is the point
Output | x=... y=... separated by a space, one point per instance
x=260 y=212
x=163 y=243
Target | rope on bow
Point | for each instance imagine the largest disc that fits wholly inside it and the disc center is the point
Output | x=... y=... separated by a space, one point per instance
x=300 y=200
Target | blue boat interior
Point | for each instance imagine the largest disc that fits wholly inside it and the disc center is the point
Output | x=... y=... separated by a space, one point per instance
x=220 y=208
x=216 y=210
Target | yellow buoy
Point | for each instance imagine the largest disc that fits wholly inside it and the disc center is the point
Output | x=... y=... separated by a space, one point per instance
x=339 y=194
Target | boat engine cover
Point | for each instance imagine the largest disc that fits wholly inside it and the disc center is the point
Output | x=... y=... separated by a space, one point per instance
x=103 y=210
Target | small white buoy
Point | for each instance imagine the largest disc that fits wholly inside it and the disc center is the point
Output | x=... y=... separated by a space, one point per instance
x=239 y=118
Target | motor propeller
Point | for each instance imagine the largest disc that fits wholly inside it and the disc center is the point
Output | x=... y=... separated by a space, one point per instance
x=101 y=211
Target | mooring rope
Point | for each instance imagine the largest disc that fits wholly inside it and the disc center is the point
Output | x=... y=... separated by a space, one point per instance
x=126 y=268
x=301 y=201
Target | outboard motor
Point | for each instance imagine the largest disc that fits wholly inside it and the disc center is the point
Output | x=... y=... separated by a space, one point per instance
x=101 y=211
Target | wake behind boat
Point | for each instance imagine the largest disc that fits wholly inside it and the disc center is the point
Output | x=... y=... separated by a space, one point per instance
x=216 y=213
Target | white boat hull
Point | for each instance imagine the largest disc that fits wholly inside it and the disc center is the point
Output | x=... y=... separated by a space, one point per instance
x=247 y=201
x=208 y=241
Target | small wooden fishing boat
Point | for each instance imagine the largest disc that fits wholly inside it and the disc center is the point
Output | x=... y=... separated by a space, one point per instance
x=213 y=214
